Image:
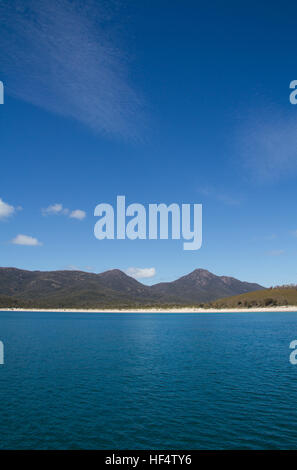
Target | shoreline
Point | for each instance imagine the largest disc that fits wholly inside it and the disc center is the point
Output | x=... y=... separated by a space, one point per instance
x=290 y=308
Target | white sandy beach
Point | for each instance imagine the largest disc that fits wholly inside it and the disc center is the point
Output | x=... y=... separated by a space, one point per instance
x=157 y=310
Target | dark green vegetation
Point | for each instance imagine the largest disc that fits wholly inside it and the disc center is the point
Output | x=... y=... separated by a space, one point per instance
x=111 y=289
x=273 y=297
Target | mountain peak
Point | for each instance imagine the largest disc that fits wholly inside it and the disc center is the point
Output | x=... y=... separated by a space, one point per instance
x=114 y=273
x=199 y=275
x=200 y=272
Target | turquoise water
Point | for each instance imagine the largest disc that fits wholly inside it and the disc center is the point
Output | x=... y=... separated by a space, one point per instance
x=148 y=381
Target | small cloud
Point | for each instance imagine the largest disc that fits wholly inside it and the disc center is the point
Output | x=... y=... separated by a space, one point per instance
x=140 y=273
x=272 y=236
x=77 y=214
x=58 y=209
x=219 y=196
x=89 y=268
x=55 y=209
x=6 y=210
x=275 y=252
x=267 y=238
x=25 y=240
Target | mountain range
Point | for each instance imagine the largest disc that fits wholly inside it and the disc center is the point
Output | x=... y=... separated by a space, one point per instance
x=114 y=288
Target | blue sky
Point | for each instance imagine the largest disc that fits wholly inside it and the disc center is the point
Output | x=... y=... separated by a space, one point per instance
x=161 y=101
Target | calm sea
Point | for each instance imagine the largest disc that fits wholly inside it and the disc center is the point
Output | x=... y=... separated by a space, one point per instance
x=148 y=381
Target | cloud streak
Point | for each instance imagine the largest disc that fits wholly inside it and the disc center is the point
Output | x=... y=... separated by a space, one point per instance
x=275 y=252
x=25 y=240
x=58 y=209
x=217 y=194
x=58 y=55
x=6 y=210
x=141 y=273
x=267 y=145
x=55 y=209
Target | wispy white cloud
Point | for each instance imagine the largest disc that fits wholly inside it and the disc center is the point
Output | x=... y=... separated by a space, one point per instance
x=60 y=55
x=59 y=209
x=89 y=268
x=72 y=267
x=267 y=238
x=141 y=273
x=77 y=214
x=55 y=209
x=272 y=236
x=275 y=252
x=6 y=210
x=219 y=195
x=267 y=145
x=25 y=240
